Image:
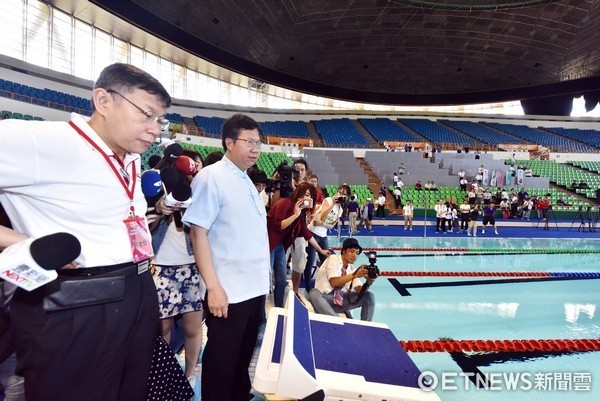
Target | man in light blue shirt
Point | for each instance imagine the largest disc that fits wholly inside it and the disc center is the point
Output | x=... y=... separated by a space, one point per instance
x=231 y=247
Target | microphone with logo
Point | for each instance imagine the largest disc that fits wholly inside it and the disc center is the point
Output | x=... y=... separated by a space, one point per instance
x=170 y=155
x=33 y=262
x=186 y=166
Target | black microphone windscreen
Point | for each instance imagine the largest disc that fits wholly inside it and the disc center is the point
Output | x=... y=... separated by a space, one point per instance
x=173 y=151
x=170 y=155
x=153 y=161
x=182 y=193
x=169 y=177
x=54 y=251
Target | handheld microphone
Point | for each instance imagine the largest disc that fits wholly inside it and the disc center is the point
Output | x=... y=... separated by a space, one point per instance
x=153 y=160
x=185 y=165
x=170 y=178
x=171 y=154
x=31 y=263
x=151 y=183
x=180 y=197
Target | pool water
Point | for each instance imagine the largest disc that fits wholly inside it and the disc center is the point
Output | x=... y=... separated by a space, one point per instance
x=496 y=308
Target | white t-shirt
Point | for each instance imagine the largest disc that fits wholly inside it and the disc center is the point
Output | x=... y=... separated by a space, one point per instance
x=408 y=210
x=53 y=180
x=173 y=250
x=332 y=267
x=328 y=221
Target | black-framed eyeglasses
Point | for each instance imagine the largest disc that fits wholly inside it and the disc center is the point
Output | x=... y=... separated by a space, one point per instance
x=250 y=143
x=150 y=116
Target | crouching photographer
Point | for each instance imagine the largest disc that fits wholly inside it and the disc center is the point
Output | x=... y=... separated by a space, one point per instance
x=338 y=288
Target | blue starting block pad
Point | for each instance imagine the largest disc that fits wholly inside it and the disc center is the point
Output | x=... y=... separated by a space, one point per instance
x=314 y=357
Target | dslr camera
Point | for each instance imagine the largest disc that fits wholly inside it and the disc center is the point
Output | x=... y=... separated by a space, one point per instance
x=284 y=182
x=342 y=200
x=372 y=268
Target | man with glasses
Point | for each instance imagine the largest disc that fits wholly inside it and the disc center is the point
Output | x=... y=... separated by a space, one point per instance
x=228 y=223
x=83 y=177
x=338 y=288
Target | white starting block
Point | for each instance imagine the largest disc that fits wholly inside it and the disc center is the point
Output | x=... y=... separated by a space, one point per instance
x=315 y=357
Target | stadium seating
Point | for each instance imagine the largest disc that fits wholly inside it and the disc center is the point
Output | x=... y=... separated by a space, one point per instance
x=284 y=129
x=384 y=129
x=588 y=136
x=340 y=133
x=482 y=133
x=436 y=133
x=543 y=138
x=45 y=97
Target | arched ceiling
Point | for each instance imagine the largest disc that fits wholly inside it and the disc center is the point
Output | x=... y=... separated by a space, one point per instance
x=391 y=52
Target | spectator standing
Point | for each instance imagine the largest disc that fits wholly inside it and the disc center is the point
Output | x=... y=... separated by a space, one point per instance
x=324 y=218
x=440 y=215
x=527 y=206
x=487 y=196
x=286 y=221
x=352 y=214
x=314 y=181
x=473 y=217
x=464 y=215
x=381 y=201
x=449 y=217
x=103 y=346
x=408 y=212
x=366 y=215
x=397 y=197
x=178 y=283
x=382 y=189
x=488 y=217
x=231 y=246
x=400 y=184
x=401 y=169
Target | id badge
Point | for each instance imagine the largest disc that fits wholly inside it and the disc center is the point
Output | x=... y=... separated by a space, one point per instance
x=139 y=238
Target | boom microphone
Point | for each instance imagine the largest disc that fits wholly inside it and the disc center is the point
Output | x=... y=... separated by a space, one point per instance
x=31 y=263
x=171 y=154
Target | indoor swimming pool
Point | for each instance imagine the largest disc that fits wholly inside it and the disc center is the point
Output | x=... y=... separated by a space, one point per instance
x=494 y=289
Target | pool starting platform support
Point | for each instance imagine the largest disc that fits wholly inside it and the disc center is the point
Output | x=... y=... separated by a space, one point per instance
x=311 y=357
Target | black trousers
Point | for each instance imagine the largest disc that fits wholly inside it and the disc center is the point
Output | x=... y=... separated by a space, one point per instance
x=93 y=353
x=229 y=350
x=440 y=223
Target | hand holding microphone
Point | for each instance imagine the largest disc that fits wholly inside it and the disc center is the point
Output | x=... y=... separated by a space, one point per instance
x=33 y=262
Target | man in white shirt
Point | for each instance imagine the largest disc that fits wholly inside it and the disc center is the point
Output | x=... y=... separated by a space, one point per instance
x=381 y=201
x=83 y=177
x=228 y=224
x=338 y=288
x=440 y=215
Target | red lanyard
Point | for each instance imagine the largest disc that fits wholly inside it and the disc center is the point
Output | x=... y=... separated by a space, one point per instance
x=128 y=191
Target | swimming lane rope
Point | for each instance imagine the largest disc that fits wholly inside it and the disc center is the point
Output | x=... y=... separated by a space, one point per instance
x=589 y=275
x=550 y=345
x=479 y=250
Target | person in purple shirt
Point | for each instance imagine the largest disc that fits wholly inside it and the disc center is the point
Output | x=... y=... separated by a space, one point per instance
x=488 y=217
